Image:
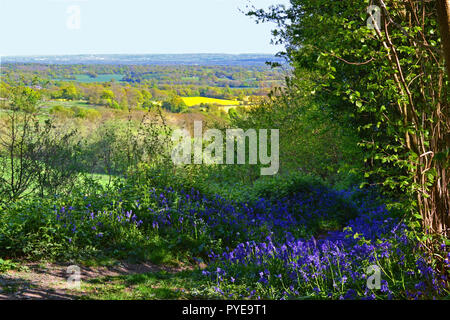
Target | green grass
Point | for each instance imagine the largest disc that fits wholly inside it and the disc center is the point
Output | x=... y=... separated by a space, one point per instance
x=6 y=265
x=103 y=179
x=190 y=78
x=149 y=286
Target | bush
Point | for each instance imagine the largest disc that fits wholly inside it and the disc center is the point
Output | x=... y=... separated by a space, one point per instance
x=280 y=186
x=89 y=114
x=62 y=111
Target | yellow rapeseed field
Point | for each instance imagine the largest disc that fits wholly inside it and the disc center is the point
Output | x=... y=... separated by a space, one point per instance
x=194 y=101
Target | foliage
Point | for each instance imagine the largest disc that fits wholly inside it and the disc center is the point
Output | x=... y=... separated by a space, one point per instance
x=84 y=113
x=310 y=140
x=175 y=104
x=62 y=111
x=260 y=250
x=34 y=156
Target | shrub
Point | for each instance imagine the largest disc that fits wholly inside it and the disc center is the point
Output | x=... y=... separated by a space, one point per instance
x=89 y=114
x=62 y=111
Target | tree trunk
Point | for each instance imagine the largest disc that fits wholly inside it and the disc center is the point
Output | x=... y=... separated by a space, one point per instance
x=440 y=196
x=443 y=12
x=437 y=206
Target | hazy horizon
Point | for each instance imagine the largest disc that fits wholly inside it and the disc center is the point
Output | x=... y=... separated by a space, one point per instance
x=147 y=59
x=140 y=54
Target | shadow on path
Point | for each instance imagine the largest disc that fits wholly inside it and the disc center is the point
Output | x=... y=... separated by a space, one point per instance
x=13 y=288
x=49 y=281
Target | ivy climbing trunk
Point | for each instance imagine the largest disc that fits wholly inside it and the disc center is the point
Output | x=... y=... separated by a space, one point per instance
x=443 y=12
x=437 y=217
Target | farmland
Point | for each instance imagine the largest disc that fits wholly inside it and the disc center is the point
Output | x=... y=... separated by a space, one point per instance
x=98 y=78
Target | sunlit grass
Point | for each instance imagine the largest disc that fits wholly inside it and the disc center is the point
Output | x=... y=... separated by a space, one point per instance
x=149 y=286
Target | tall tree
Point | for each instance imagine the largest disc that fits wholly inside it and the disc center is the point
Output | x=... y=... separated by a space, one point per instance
x=443 y=11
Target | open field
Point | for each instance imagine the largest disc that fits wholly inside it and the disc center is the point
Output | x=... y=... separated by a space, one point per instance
x=100 y=78
x=66 y=103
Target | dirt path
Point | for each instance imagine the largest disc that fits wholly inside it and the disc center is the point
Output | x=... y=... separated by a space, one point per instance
x=49 y=281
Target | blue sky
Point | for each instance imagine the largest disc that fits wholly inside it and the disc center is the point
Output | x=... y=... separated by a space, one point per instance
x=44 y=27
